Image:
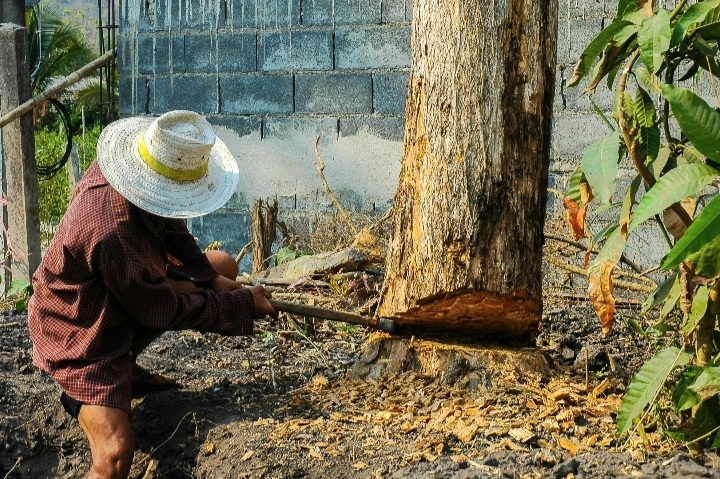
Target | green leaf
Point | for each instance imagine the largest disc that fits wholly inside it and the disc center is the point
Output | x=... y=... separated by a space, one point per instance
x=654 y=39
x=594 y=49
x=703 y=229
x=698 y=121
x=675 y=185
x=284 y=255
x=660 y=161
x=697 y=310
x=600 y=164
x=600 y=113
x=710 y=32
x=684 y=398
x=573 y=191
x=670 y=301
x=706 y=261
x=659 y=295
x=646 y=383
x=645 y=108
x=626 y=7
x=692 y=155
x=648 y=138
x=708 y=382
x=696 y=13
x=612 y=250
x=19 y=286
x=629 y=199
x=647 y=79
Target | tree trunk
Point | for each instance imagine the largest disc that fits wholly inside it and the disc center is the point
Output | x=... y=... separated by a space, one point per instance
x=465 y=252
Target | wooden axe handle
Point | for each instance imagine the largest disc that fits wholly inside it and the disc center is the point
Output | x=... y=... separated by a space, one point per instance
x=382 y=324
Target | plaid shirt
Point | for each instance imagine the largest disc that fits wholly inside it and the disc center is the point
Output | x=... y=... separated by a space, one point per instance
x=104 y=272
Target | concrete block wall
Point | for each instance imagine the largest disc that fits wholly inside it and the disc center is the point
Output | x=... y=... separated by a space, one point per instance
x=272 y=76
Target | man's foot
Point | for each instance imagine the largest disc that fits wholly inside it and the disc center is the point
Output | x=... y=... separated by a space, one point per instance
x=144 y=382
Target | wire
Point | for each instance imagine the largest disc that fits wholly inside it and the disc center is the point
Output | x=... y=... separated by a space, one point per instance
x=45 y=172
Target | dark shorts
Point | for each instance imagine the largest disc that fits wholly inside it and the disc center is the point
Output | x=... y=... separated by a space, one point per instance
x=71 y=406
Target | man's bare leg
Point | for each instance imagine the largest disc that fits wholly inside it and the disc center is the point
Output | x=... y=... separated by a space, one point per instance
x=111 y=441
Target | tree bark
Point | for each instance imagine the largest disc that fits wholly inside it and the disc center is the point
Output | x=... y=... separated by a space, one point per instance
x=465 y=252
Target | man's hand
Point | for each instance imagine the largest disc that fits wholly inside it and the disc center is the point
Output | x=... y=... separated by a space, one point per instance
x=260 y=302
x=221 y=284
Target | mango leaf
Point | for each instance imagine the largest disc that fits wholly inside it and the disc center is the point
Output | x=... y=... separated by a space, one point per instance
x=647 y=79
x=706 y=262
x=612 y=250
x=600 y=164
x=704 y=229
x=660 y=161
x=704 y=422
x=654 y=39
x=696 y=13
x=659 y=295
x=628 y=203
x=704 y=55
x=600 y=113
x=710 y=32
x=698 y=121
x=626 y=7
x=646 y=383
x=573 y=191
x=575 y=215
x=683 y=397
x=593 y=51
x=708 y=382
x=645 y=109
x=675 y=185
x=692 y=155
x=648 y=138
x=670 y=302
x=697 y=310
x=600 y=293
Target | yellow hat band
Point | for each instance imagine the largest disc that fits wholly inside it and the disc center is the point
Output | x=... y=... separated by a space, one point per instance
x=167 y=171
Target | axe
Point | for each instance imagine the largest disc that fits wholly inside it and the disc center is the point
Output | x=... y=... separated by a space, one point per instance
x=383 y=324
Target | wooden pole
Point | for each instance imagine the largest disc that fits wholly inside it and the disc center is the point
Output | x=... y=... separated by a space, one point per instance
x=22 y=231
x=57 y=88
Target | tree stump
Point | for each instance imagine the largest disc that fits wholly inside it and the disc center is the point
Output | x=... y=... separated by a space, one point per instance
x=467 y=365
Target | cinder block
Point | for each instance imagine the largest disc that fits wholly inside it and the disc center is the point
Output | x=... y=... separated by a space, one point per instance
x=374 y=47
x=390 y=92
x=396 y=11
x=289 y=128
x=573 y=99
x=586 y=8
x=183 y=92
x=263 y=13
x=386 y=127
x=133 y=95
x=154 y=54
x=298 y=50
x=242 y=125
x=572 y=133
x=201 y=53
x=346 y=12
x=230 y=227
x=333 y=93
x=256 y=94
x=171 y=15
x=136 y=16
x=237 y=52
x=579 y=36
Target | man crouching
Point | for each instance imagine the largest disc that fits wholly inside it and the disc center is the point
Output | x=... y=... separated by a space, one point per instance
x=122 y=268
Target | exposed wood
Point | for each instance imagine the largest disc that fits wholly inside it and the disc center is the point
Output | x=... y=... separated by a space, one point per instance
x=57 y=88
x=264 y=215
x=466 y=247
x=22 y=231
x=466 y=365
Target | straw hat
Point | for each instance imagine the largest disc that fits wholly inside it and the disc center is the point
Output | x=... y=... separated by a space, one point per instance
x=171 y=166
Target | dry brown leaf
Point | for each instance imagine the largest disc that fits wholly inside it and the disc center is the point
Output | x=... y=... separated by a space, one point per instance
x=586 y=193
x=600 y=292
x=521 y=434
x=672 y=221
x=575 y=215
x=569 y=445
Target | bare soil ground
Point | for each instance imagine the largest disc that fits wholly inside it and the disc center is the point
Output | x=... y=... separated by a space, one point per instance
x=279 y=405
